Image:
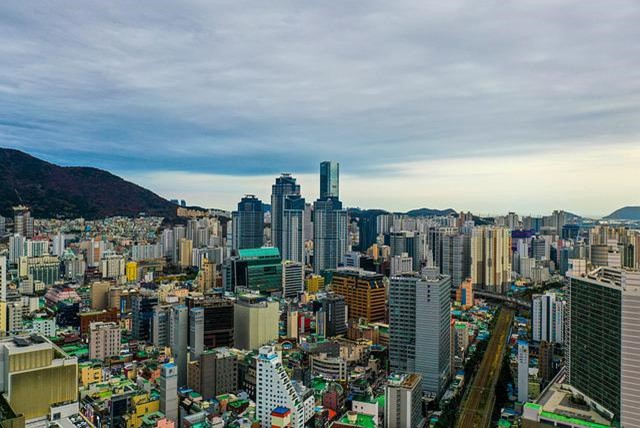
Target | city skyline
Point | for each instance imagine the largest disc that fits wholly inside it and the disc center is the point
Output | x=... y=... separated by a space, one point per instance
x=418 y=102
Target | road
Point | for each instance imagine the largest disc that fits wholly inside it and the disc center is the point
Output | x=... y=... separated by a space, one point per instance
x=476 y=410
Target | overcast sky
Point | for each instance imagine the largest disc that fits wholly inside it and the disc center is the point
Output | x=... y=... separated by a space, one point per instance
x=486 y=106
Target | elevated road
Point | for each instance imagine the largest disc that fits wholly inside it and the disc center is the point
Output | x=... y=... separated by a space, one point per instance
x=502 y=298
x=477 y=407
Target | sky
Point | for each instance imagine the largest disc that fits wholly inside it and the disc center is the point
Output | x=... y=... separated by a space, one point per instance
x=489 y=106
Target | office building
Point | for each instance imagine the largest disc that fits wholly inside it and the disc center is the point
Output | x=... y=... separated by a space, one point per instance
x=491 y=258
x=547 y=318
x=367 y=232
x=248 y=224
x=364 y=292
x=464 y=294
x=160 y=325
x=523 y=371
x=420 y=327
x=331 y=318
x=178 y=340
x=403 y=401
x=196 y=332
x=330 y=234
x=330 y=179
x=275 y=389
x=100 y=295
x=38 y=377
x=168 y=382
x=104 y=340
x=141 y=316
x=255 y=321
x=214 y=373
x=602 y=340
x=258 y=269
x=218 y=321
x=292 y=278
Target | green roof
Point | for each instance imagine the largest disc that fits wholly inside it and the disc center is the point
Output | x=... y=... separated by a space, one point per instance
x=363 y=421
x=574 y=421
x=259 y=252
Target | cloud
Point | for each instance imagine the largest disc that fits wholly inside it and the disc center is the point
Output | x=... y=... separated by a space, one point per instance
x=253 y=88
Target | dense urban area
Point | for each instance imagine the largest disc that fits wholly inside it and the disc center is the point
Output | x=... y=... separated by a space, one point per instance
x=311 y=314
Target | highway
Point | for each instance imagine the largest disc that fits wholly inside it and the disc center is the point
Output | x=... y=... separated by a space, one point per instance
x=476 y=410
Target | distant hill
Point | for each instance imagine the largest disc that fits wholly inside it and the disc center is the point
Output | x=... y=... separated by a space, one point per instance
x=625 y=213
x=54 y=191
x=420 y=212
x=429 y=212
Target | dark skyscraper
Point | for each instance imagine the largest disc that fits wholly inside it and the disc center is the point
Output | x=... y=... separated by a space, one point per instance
x=287 y=218
x=330 y=223
x=368 y=232
x=248 y=224
x=330 y=179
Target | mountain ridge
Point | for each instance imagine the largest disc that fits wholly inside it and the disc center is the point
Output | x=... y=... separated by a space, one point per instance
x=51 y=190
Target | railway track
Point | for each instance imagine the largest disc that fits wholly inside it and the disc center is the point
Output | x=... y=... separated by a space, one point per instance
x=476 y=410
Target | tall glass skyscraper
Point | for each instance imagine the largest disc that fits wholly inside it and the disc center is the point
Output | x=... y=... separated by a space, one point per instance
x=248 y=224
x=330 y=221
x=288 y=218
x=330 y=179
x=330 y=234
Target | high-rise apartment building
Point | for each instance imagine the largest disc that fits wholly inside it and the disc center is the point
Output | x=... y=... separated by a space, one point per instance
x=22 y=221
x=275 y=389
x=186 y=250
x=409 y=242
x=248 y=224
x=287 y=218
x=602 y=341
x=420 y=327
x=491 y=258
x=547 y=318
x=364 y=292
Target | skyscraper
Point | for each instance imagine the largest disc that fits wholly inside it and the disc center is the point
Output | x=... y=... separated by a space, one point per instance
x=22 y=221
x=491 y=258
x=330 y=179
x=178 y=336
x=287 y=218
x=248 y=223
x=420 y=327
x=3 y=279
x=330 y=235
x=602 y=341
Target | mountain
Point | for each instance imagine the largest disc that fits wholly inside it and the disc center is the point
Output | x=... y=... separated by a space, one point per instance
x=625 y=213
x=54 y=191
x=429 y=212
